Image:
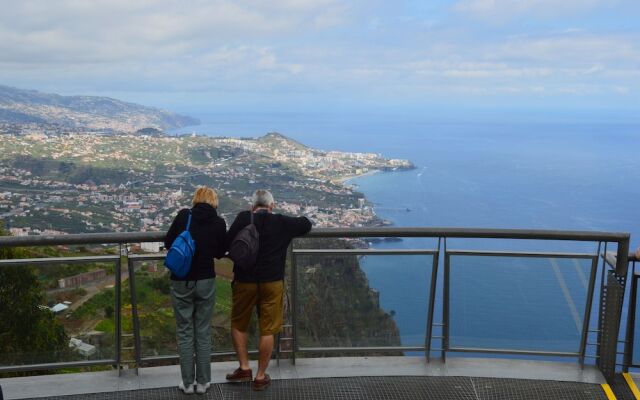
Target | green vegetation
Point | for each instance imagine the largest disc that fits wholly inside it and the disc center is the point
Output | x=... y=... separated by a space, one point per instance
x=28 y=333
x=107 y=326
x=69 y=171
x=338 y=308
x=98 y=306
x=157 y=323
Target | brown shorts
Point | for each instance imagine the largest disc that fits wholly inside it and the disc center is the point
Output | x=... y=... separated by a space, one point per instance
x=268 y=296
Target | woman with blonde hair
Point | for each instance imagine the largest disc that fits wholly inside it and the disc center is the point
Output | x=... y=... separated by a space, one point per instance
x=193 y=296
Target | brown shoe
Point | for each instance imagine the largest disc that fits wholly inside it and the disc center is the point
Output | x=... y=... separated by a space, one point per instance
x=261 y=384
x=240 y=375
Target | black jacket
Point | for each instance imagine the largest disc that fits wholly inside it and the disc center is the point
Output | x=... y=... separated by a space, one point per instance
x=276 y=232
x=208 y=231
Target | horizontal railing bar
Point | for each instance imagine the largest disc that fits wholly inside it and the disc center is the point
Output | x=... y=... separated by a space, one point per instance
x=147 y=257
x=83 y=238
x=138 y=237
x=470 y=233
x=519 y=254
x=59 y=260
x=176 y=357
x=40 y=367
x=364 y=251
x=360 y=349
x=505 y=351
x=611 y=258
x=588 y=356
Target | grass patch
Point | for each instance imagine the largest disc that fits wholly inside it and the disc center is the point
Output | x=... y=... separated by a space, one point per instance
x=106 y=325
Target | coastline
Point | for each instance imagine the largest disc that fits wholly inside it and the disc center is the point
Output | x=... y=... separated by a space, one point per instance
x=344 y=180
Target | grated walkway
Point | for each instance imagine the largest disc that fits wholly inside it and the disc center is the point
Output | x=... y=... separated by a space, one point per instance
x=370 y=388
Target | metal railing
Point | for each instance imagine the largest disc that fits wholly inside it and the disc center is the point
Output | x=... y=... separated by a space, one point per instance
x=630 y=333
x=116 y=260
x=609 y=310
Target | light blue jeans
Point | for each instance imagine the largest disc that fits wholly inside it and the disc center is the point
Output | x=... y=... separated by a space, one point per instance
x=193 y=303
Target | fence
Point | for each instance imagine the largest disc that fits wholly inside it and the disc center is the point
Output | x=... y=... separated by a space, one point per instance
x=525 y=279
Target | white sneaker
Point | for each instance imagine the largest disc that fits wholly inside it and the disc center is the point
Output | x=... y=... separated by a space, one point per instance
x=186 y=390
x=202 y=389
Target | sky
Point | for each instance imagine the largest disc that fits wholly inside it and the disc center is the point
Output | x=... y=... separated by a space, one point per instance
x=302 y=55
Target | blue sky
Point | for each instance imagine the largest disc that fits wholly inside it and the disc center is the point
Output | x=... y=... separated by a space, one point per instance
x=328 y=55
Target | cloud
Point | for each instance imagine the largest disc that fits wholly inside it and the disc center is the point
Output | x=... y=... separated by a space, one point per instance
x=356 y=51
x=110 y=31
x=501 y=10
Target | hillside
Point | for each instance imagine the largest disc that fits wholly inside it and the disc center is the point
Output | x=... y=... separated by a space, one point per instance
x=18 y=106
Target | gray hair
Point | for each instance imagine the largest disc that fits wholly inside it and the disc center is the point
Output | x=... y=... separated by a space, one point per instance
x=262 y=198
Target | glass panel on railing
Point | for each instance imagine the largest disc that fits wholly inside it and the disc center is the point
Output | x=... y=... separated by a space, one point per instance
x=517 y=303
x=362 y=301
x=155 y=312
x=52 y=313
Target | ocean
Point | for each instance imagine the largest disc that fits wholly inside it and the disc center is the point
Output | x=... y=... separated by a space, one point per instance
x=566 y=174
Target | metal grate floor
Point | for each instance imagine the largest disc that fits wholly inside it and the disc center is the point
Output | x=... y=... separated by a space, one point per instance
x=410 y=388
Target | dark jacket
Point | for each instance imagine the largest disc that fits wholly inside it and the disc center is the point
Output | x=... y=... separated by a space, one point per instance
x=276 y=232
x=208 y=231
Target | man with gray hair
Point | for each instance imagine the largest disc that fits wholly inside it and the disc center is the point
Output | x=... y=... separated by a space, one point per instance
x=263 y=285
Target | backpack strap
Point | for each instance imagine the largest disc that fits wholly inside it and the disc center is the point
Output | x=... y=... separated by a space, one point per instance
x=251 y=212
x=188 y=221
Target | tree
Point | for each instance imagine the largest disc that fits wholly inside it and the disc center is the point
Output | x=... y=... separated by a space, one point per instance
x=27 y=330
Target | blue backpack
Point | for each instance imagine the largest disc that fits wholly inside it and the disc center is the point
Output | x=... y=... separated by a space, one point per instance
x=180 y=255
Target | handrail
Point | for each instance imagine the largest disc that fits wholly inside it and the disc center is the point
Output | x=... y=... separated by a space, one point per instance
x=480 y=233
x=621 y=238
x=621 y=262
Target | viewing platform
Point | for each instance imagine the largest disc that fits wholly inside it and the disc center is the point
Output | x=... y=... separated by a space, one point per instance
x=502 y=314
x=342 y=378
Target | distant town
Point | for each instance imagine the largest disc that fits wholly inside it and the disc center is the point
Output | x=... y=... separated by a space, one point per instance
x=66 y=181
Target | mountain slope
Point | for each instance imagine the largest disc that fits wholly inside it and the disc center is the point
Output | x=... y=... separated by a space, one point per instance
x=91 y=112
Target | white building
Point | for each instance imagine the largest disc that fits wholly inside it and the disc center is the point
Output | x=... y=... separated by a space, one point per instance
x=151 y=247
x=85 y=349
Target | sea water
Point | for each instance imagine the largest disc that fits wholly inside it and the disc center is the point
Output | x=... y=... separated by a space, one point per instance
x=568 y=175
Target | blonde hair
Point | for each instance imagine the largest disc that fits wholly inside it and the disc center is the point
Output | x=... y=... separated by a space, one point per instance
x=207 y=195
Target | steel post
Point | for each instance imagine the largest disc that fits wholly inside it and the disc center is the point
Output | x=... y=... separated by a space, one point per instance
x=587 y=310
x=118 y=311
x=431 y=304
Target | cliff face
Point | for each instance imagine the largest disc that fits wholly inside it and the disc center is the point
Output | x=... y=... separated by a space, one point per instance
x=337 y=308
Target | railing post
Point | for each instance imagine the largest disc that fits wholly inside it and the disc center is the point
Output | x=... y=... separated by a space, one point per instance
x=118 y=309
x=445 y=305
x=294 y=304
x=134 y=313
x=611 y=301
x=587 y=310
x=431 y=304
x=622 y=258
x=631 y=320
